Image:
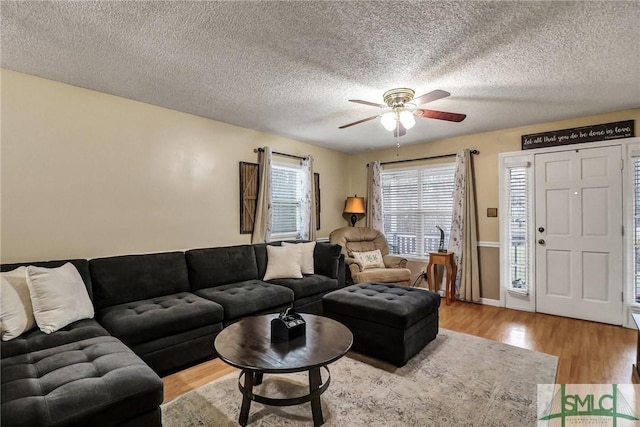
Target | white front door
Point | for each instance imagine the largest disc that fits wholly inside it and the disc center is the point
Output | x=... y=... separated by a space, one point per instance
x=579 y=234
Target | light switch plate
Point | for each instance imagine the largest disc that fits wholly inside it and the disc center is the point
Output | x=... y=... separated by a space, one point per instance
x=492 y=212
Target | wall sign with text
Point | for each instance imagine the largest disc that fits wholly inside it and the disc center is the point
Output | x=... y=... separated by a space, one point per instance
x=602 y=132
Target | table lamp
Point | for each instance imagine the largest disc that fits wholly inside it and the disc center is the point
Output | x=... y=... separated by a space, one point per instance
x=354 y=206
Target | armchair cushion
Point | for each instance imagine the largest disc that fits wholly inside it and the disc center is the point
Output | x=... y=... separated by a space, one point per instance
x=400 y=276
x=394 y=261
x=359 y=239
x=370 y=259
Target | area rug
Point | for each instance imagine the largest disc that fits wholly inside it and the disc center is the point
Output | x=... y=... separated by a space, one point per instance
x=456 y=380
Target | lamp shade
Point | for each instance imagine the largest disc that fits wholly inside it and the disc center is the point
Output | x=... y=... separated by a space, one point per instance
x=354 y=205
x=388 y=120
x=407 y=120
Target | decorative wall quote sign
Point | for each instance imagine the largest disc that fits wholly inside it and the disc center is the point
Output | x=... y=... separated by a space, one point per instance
x=601 y=132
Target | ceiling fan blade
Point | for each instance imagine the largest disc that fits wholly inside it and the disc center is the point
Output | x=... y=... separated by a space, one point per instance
x=431 y=96
x=440 y=115
x=399 y=130
x=373 y=104
x=358 y=122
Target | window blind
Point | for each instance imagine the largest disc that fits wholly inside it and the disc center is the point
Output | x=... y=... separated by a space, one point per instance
x=636 y=226
x=517 y=184
x=414 y=202
x=286 y=190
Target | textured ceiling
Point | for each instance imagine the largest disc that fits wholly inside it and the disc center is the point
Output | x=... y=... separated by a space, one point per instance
x=289 y=68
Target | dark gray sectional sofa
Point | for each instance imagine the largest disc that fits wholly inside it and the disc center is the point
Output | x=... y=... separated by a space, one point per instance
x=155 y=313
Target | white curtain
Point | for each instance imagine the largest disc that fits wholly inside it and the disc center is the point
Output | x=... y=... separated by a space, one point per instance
x=308 y=205
x=463 y=239
x=374 y=197
x=262 y=224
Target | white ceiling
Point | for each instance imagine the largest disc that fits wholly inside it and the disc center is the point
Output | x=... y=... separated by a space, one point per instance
x=289 y=68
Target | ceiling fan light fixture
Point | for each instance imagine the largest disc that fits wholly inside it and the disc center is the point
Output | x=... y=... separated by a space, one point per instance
x=407 y=119
x=388 y=120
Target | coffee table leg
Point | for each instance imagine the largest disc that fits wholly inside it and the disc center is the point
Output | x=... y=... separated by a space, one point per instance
x=246 y=398
x=314 y=384
x=258 y=379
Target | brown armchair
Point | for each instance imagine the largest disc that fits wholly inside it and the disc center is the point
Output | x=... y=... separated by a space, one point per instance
x=360 y=239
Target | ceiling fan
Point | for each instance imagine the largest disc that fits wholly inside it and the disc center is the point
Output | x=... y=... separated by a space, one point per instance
x=402 y=107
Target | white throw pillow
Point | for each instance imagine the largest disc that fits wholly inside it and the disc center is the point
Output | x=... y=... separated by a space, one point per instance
x=283 y=262
x=306 y=260
x=16 y=313
x=371 y=259
x=59 y=297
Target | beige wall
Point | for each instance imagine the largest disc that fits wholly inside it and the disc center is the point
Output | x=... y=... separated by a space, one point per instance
x=86 y=174
x=489 y=144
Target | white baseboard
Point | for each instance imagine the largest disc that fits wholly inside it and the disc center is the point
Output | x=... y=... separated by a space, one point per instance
x=489 y=301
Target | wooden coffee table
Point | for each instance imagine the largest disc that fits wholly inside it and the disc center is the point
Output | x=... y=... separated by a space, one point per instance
x=247 y=345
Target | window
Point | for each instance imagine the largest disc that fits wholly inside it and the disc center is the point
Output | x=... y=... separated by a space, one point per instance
x=286 y=191
x=518 y=224
x=636 y=228
x=414 y=202
x=517 y=233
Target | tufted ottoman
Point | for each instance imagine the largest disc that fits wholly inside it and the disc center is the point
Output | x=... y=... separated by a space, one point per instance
x=388 y=321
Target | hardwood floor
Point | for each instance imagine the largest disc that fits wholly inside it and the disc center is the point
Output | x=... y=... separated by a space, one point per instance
x=588 y=352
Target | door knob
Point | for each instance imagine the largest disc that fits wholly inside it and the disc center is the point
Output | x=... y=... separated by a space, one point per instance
x=541 y=229
x=541 y=241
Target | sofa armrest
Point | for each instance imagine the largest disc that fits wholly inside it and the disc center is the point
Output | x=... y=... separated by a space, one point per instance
x=342 y=275
x=394 y=261
x=327 y=259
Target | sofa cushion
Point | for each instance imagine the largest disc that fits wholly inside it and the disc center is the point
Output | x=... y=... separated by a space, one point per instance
x=97 y=382
x=16 y=310
x=260 y=250
x=167 y=354
x=122 y=279
x=82 y=265
x=386 y=304
x=306 y=256
x=220 y=266
x=150 y=319
x=326 y=257
x=58 y=296
x=35 y=339
x=309 y=285
x=248 y=297
x=283 y=262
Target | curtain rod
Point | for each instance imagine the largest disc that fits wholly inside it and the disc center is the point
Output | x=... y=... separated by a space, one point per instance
x=256 y=150
x=442 y=156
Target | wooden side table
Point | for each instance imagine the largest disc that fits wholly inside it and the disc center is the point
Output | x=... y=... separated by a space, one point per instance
x=446 y=259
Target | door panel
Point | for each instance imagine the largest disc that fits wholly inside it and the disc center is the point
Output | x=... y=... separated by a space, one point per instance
x=557 y=273
x=595 y=268
x=558 y=215
x=579 y=255
x=595 y=211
